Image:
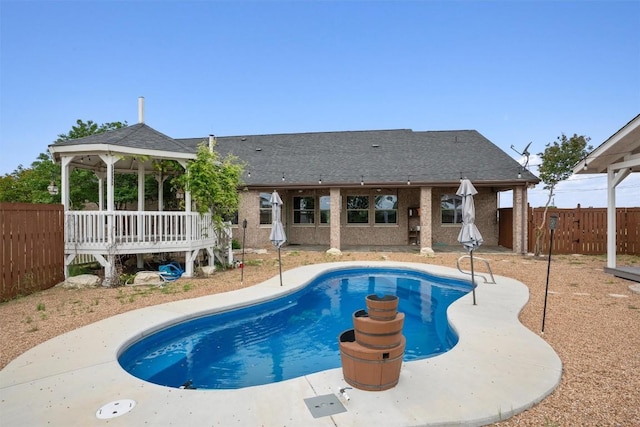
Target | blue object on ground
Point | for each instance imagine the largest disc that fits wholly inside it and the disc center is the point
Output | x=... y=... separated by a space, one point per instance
x=170 y=272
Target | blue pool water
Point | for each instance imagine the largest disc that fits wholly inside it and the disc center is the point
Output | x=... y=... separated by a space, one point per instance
x=294 y=335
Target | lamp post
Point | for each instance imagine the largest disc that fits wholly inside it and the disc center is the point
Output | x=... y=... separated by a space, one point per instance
x=553 y=222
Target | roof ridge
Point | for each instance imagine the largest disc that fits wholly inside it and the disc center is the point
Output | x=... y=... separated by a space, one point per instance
x=332 y=132
x=309 y=133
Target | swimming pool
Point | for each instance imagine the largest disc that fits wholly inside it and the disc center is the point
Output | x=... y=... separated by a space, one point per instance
x=293 y=335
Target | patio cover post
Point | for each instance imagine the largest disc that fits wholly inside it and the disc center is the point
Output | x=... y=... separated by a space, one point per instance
x=425 y=235
x=611 y=219
x=334 y=218
x=520 y=237
x=615 y=175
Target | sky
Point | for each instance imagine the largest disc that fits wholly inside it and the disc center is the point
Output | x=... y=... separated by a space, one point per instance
x=515 y=71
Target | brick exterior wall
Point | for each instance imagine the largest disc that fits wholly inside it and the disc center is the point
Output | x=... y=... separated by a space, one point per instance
x=257 y=235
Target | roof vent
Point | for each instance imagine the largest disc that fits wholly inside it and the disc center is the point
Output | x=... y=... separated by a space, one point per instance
x=375 y=145
x=141 y=109
x=258 y=149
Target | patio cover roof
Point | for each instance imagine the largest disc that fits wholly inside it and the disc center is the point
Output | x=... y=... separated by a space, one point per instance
x=621 y=150
x=618 y=157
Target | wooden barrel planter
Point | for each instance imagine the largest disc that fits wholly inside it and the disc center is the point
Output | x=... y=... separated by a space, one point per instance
x=382 y=308
x=370 y=369
x=377 y=334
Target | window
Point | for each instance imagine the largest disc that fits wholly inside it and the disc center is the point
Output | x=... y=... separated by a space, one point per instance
x=231 y=217
x=451 y=207
x=325 y=209
x=357 y=209
x=265 y=208
x=386 y=209
x=304 y=210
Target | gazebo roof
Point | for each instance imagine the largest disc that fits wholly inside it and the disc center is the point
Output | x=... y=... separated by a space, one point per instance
x=133 y=143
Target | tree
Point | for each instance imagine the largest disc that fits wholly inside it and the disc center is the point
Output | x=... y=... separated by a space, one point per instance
x=213 y=183
x=558 y=160
x=82 y=129
x=29 y=185
x=83 y=184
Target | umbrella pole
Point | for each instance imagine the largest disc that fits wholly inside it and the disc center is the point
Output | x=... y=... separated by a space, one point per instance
x=473 y=282
x=280 y=264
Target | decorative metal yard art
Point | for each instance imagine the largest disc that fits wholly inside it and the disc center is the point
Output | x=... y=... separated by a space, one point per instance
x=553 y=222
x=469 y=236
x=277 y=236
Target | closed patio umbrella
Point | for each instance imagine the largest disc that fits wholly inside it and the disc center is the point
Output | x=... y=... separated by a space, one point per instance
x=469 y=236
x=277 y=236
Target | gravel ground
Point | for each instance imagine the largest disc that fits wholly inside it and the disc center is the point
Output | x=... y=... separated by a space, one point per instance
x=592 y=322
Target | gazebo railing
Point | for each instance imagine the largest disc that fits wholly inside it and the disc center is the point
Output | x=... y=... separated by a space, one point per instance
x=97 y=228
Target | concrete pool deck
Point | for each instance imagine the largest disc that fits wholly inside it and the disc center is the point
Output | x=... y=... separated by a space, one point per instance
x=498 y=369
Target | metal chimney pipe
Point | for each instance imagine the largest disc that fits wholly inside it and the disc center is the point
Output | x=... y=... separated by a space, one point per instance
x=212 y=140
x=141 y=109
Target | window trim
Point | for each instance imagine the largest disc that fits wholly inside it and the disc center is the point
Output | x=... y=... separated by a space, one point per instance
x=320 y=210
x=261 y=209
x=457 y=208
x=367 y=210
x=312 y=211
x=376 y=210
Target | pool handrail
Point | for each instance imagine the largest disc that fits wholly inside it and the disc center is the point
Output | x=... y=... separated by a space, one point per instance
x=486 y=262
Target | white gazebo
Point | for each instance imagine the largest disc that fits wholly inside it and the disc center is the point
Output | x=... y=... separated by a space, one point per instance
x=107 y=233
x=618 y=157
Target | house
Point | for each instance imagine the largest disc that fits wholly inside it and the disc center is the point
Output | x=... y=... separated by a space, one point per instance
x=377 y=187
x=618 y=157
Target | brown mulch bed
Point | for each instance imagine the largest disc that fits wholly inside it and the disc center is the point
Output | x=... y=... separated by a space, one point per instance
x=592 y=322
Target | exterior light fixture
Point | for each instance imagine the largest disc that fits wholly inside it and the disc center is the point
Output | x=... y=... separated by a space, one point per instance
x=282 y=176
x=361 y=179
x=320 y=180
x=52 y=188
x=408 y=180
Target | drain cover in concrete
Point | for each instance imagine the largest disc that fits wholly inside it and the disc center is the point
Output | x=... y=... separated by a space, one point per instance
x=115 y=409
x=322 y=406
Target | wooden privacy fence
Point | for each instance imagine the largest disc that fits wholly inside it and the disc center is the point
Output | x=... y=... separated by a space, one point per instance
x=32 y=248
x=584 y=231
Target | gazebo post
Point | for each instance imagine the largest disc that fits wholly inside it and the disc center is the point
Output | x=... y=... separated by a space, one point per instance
x=140 y=257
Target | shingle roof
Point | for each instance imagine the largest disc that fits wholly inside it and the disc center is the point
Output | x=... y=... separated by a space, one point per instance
x=135 y=136
x=376 y=157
